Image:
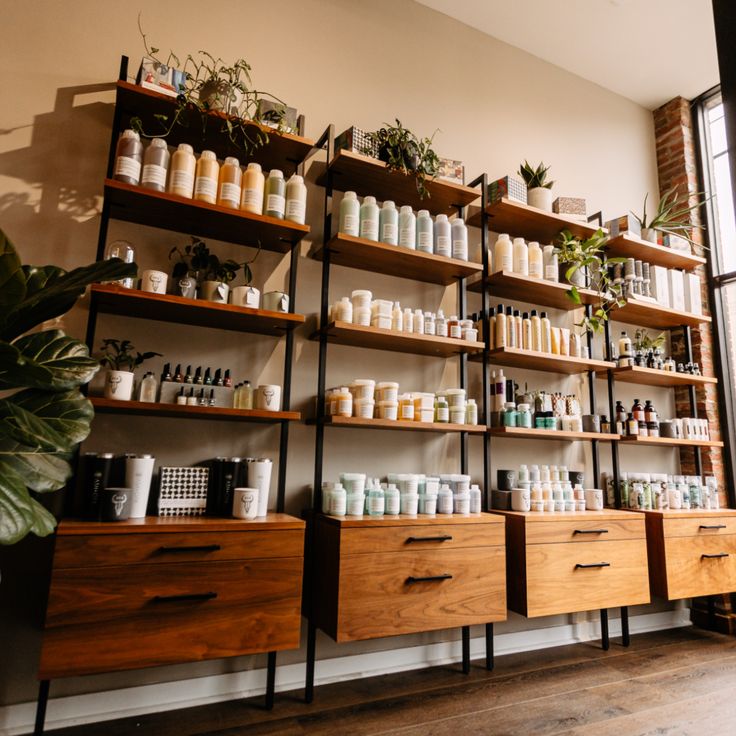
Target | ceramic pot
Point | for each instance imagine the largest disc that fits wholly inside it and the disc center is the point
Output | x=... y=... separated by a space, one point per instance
x=540 y=197
x=154 y=282
x=119 y=385
x=185 y=286
x=245 y=296
x=214 y=291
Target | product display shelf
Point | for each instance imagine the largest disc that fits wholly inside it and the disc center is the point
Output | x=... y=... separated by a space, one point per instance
x=376 y=338
x=114 y=299
x=548 y=362
x=280 y=150
x=177 y=524
x=398 y=424
x=179 y=214
x=630 y=246
x=655 y=377
x=524 y=221
x=182 y=411
x=368 y=176
x=668 y=442
x=558 y=435
x=646 y=314
x=392 y=260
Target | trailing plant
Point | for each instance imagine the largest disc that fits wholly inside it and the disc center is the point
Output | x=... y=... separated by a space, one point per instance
x=43 y=414
x=644 y=342
x=672 y=214
x=535 y=177
x=588 y=255
x=198 y=261
x=212 y=85
x=118 y=355
x=401 y=150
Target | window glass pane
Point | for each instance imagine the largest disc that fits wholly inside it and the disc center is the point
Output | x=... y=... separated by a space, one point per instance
x=724 y=209
x=728 y=294
x=718 y=135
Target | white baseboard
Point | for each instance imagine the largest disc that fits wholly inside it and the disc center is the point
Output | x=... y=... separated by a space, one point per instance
x=103 y=706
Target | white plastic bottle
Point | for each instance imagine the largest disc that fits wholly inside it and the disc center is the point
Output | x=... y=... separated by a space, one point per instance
x=229 y=186
x=536 y=261
x=462 y=503
x=440 y=324
x=397 y=318
x=350 y=215
x=343 y=311
x=296 y=199
x=408 y=320
x=407 y=227
x=251 y=196
x=338 y=500
x=419 y=321
x=503 y=254
x=459 y=240
x=521 y=257
x=369 y=218
x=392 y=500
x=181 y=171
x=442 y=236
x=389 y=223
x=475 y=499
x=425 y=232
x=444 y=500
x=551 y=264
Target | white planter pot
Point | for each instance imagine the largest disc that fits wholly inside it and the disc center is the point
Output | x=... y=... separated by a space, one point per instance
x=119 y=385
x=540 y=197
x=649 y=234
x=215 y=291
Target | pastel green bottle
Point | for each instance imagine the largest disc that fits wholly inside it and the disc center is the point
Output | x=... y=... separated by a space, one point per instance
x=350 y=215
x=369 y=218
x=274 y=194
x=407 y=227
x=425 y=232
x=389 y=223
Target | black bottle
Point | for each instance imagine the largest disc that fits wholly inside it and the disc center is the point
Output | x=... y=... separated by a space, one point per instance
x=188 y=375
x=178 y=378
x=198 y=376
x=166 y=373
x=227 y=381
x=218 y=378
x=207 y=378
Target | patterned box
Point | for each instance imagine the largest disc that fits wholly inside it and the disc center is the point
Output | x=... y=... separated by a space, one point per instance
x=570 y=206
x=624 y=224
x=183 y=491
x=451 y=170
x=509 y=187
x=356 y=140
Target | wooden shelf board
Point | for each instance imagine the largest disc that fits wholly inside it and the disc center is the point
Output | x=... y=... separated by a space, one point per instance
x=548 y=362
x=114 y=299
x=179 y=214
x=532 y=516
x=629 y=246
x=523 y=220
x=368 y=255
x=654 y=377
x=646 y=314
x=346 y=333
x=282 y=150
x=354 y=522
x=507 y=285
x=369 y=176
x=547 y=434
x=684 y=513
x=668 y=442
x=359 y=423
x=114 y=406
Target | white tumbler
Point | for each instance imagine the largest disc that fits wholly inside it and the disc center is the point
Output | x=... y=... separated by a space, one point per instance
x=259 y=476
x=138 y=474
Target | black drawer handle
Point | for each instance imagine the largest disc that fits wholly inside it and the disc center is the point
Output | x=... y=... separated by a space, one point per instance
x=192 y=548
x=591 y=531
x=430 y=578
x=585 y=566
x=184 y=597
x=713 y=557
x=712 y=526
x=440 y=538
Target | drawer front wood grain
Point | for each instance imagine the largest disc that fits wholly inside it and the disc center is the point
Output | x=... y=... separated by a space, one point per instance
x=585 y=530
x=697 y=565
x=98 y=550
x=700 y=526
x=371 y=540
x=564 y=578
x=385 y=594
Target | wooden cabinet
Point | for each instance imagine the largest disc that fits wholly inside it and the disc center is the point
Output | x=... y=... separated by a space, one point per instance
x=390 y=576
x=567 y=562
x=691 y=553
x=160 y=591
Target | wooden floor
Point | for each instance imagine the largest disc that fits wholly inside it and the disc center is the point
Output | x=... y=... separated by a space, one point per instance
x=680 y=682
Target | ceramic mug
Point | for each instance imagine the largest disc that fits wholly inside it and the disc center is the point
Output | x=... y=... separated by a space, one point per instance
x=245 y=503
x=214 y=291
x=154 y=282
x=276 y=301
x=115 y=504
x=245 y=296
x=119 y=385
x=186 y=286
x=520 y=499
x=506 y=479
x=268 y=397
x=594 y=499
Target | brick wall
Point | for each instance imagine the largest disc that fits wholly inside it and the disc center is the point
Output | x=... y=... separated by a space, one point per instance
x=677 y=167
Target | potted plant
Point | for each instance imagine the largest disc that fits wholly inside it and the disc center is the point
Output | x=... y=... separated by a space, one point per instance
x=185 y=274
x=401 y=150
x=117 y=357
x=671 y=217
x=538 y=189
x=43 y=414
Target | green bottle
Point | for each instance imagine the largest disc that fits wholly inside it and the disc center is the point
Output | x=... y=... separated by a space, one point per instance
x=274 y=194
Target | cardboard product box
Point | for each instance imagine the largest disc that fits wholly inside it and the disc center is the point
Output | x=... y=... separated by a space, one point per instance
x=659 y=285
x=626 y=224
x=451 y=170
x=677 y=289
x=356 y=140
x=269 y=111
x=183 y=491
x=574 y=206
x=676 y=243
x=693 y=297
x=508 y=186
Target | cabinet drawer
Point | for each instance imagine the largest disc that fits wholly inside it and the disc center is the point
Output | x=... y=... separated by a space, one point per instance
x=361 y=540
x=585 y=530
x=700 y=526
x=558 y=580
x=384 y=594
x=97 y=550
x=693 y=568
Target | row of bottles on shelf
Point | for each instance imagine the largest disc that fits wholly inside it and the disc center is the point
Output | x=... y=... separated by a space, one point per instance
x=387 y=224
x=643 y=421
x=206 y=180
x=659 y=491
x=630 y=354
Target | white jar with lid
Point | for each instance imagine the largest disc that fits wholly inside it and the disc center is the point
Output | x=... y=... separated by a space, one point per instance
x=363 y=388
x=457 y=415
x=388 y=410
x=355 y=504
x=455 y=397
x=387 y=391
x=364 y=408
x=362 y=316
x=409 y=504
x=361 y=298
x=343 y=310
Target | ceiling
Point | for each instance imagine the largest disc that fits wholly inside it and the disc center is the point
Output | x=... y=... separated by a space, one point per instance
x=647 y=50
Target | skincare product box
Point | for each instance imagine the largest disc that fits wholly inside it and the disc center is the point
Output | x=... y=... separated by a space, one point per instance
x=659 y=285
x=509 y=187
x=356 y=140
x=573 y=206
x=624 y=225
x=677 y=289
x=451 y=170
x=676 y=243
x=693 y=298
x=183 y=491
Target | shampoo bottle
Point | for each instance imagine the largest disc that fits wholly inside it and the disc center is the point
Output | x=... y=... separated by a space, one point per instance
x=369 y=218
x=207 y=177
x=275 y=194
x=442 y=236
x=389 y=223
x=350 y=215
x=408 y=227
x=183 y=165
x=521 y=257
x=228 y=193
x=503 y=259
x=155 y=166
x=296 y=199
x=536 y=325
x=459 y=239
x=251 y=199
x=536 y=261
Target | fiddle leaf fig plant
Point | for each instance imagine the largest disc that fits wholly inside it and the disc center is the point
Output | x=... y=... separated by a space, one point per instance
x=43 y=414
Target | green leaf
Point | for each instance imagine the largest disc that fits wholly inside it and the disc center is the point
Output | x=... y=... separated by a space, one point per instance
x=574 y=295
x=19 y=512
x=12 y=278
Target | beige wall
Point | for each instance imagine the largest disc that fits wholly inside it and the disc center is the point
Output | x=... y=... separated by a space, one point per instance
x=339 y=62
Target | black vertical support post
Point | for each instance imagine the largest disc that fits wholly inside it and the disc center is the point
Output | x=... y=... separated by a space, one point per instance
x=43 y=699
x=466 y=649
x=592 y=402
x=270 y=680
x=462 y=305
x=605 y=642
x=489 y=647
x=612 y=412
x=625 y=636
x=712 y=612
x=311 y=655
x=687 y=338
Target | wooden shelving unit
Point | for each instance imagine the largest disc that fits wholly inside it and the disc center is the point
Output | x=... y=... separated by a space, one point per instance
x=114 y=299
x=548 y=362
x=668 y=442
x=346 y=333
x=655 y=316
x=360 y=423
x=654 y=377
x=524 y=433
x=392 y=260
x=629 y=246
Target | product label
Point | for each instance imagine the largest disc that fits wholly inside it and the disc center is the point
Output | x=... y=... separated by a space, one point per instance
x=205 y=187
x=230 y=192
x=424 y=240
x=460 y=250
x=535 y=270
x=296 y=209
x=350 y=224
x=154 y=174
x=389 y=232
x=443 y=245
x=456 y=331
x=376 y=504
x=407 y=237
x=407 y=411
x=252 y=198
x=392 y=506
x=182 y=180
x=369 y=229
x=506 y=264
x=443 y=414
x=550 y=273
x=275 y=203
x=337 y=504
x=345 y=407
x=125 y=166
